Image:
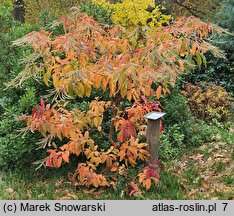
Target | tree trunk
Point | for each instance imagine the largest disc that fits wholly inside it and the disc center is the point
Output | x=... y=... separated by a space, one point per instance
x=19 y=10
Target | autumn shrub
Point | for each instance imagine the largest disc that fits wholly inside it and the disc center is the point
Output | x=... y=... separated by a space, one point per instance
x=209 y=102
x=89 y=58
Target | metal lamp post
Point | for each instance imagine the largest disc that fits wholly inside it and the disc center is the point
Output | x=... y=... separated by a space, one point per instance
x=153 y=133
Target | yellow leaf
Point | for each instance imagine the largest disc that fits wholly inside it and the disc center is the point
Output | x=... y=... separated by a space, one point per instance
x=86 y=134
x=112 y=86
x=96 y=121
x=56 y=81
x=123 y=90
x=88 y=89
x=46 y=77
x=79 y=89
x=59 y=135
x=141 y=177
x=123 y=84
x=198 y=59
x=147 y=89
x=95 y=160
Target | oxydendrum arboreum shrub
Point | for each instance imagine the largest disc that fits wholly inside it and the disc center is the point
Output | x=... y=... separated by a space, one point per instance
x=90 y=58
x=16 y=151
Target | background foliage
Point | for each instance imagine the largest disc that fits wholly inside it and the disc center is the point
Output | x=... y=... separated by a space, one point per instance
x=219 y=70
x=16 y=151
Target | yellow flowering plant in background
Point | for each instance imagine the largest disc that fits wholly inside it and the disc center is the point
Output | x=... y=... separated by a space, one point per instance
x=132 y=13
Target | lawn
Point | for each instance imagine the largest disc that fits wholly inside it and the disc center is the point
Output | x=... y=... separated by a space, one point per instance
x=205 y=172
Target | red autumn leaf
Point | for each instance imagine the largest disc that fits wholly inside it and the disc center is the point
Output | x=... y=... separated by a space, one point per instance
x=48 y=162
x=132 y=188
x=38 y=110
x=57 y=161
x=127 y=129
x=151 y=172
x=23 y=117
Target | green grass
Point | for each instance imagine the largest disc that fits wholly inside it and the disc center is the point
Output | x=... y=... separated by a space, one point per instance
x=229 y=179
x=181 y=178
x=42 y=185
x=32 y=186
x=219 y=167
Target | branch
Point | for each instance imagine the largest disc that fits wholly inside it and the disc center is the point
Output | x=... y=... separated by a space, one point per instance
x=188 y=8
x=112 y=142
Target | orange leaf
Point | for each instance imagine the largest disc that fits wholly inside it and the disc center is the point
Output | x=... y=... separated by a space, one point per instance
x=96 y=121
x=121 y=155
x=194 y=48
x=65 y=156
x=97 y=81
x=133 y=150
x=147 y=184
x=181 y=63
x=132 y=161
x=159 y=92
x=57 y=161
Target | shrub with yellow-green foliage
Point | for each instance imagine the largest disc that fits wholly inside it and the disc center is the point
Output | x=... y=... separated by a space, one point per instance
x=131 y=13
x=209 y=102
x=34 y=9
x=54 y=8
